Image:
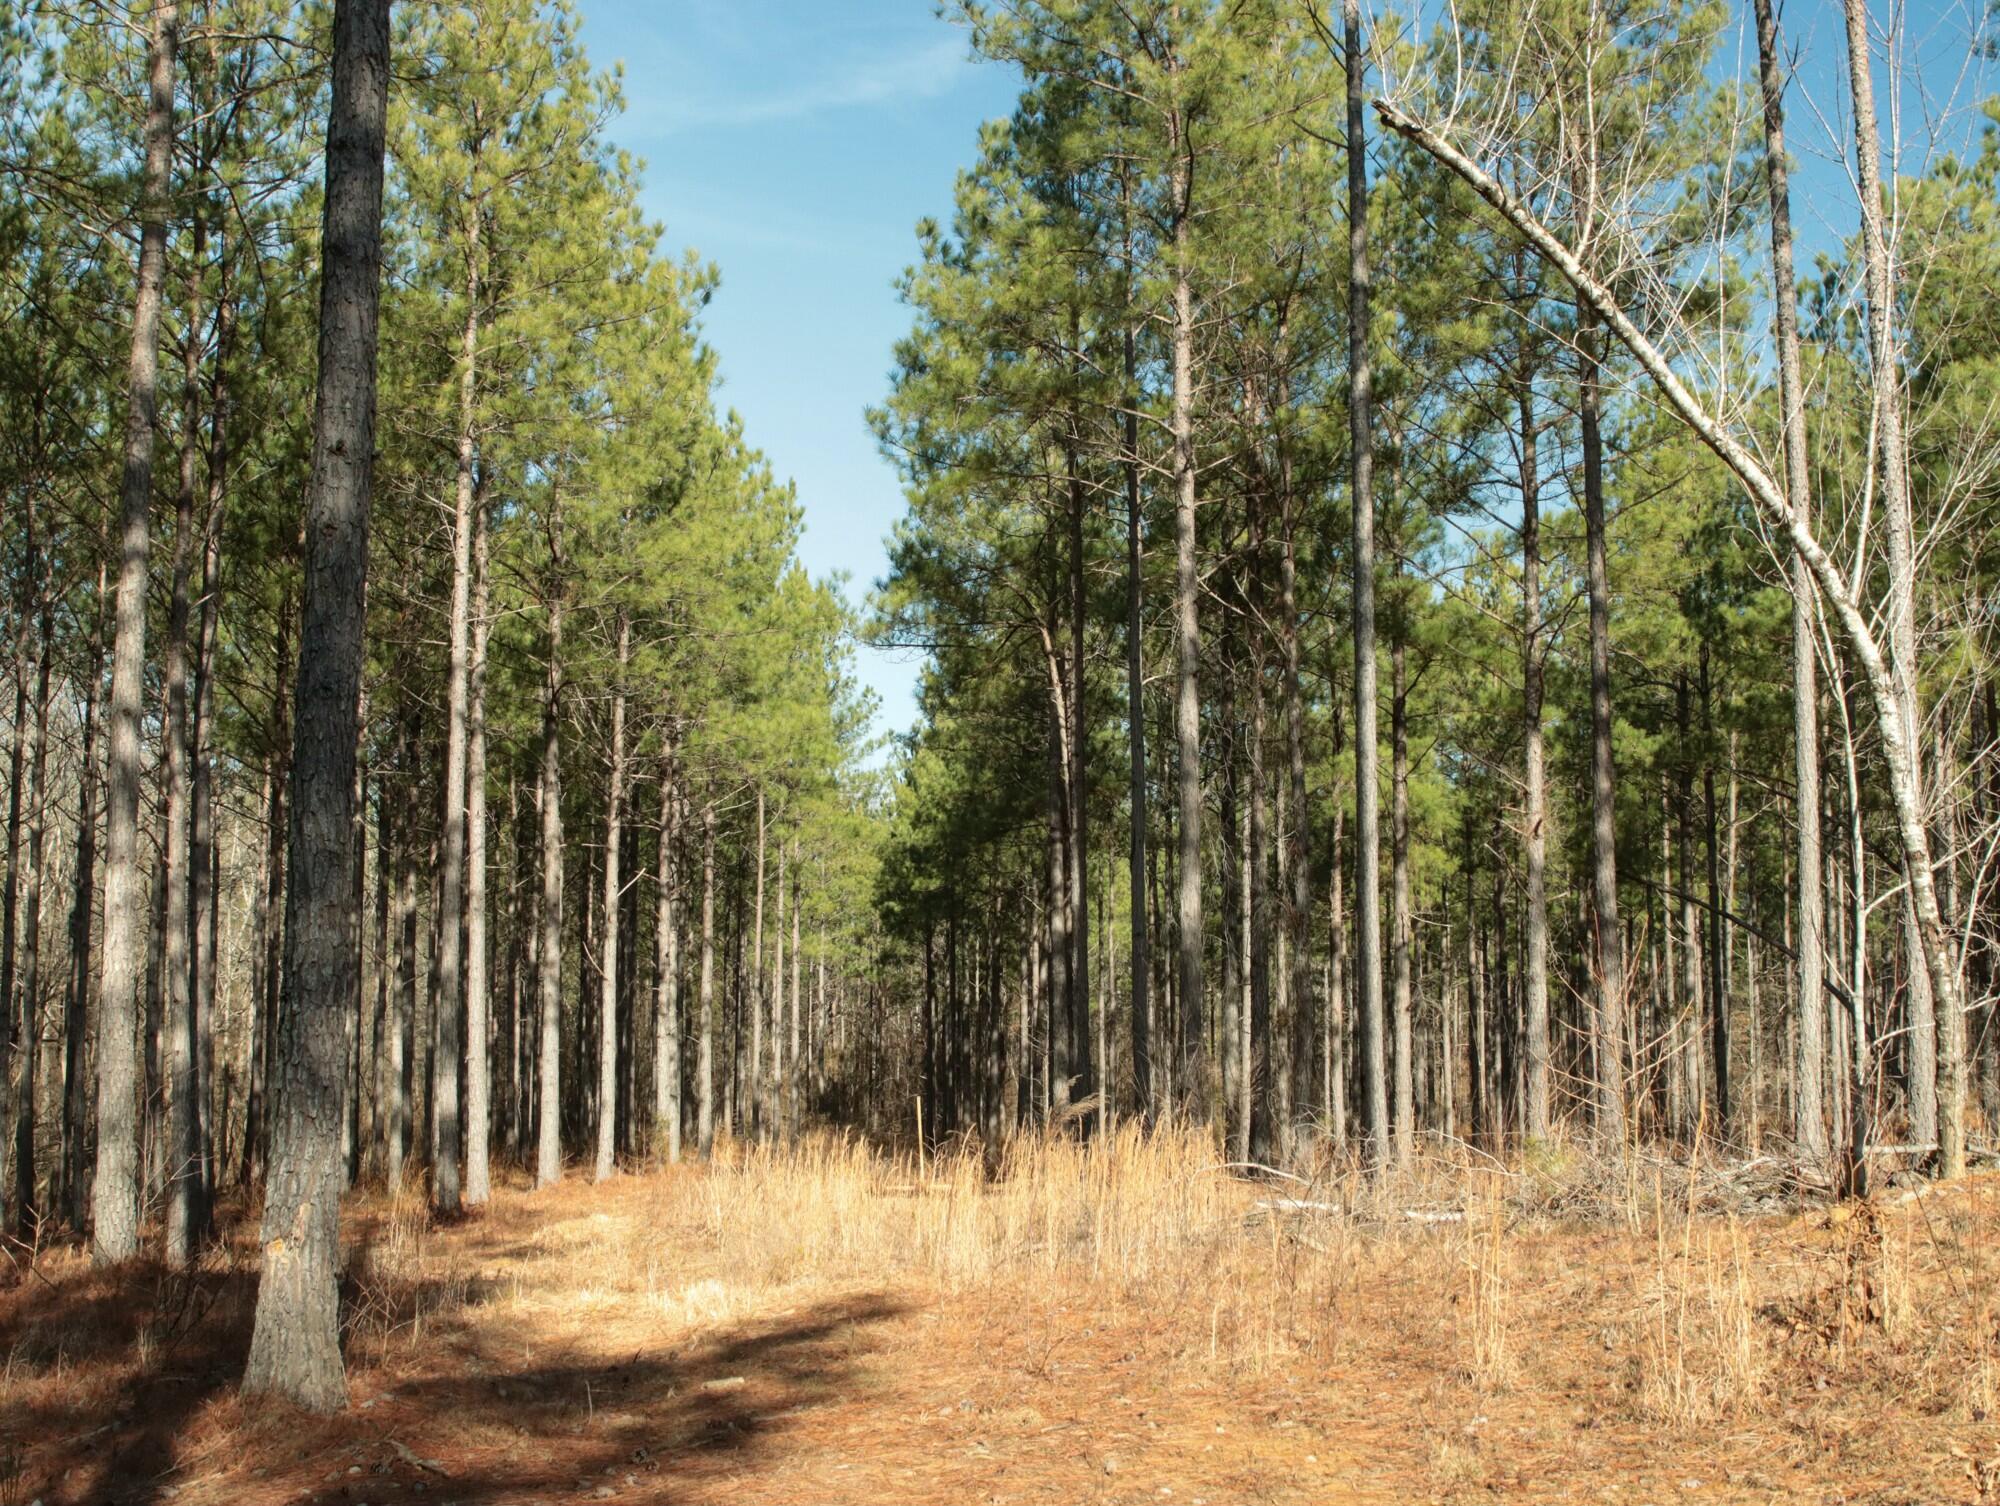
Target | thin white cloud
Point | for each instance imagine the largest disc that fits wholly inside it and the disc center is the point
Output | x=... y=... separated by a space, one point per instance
x=713 y=229
x=912 y=75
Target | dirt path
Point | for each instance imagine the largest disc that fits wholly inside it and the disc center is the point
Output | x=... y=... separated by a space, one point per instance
x=592 y=1344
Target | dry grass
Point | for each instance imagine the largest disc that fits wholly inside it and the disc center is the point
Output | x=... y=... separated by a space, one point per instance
x=1116 y=1321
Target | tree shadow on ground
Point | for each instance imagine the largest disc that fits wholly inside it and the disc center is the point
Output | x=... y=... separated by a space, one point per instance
x=105 y=1377
x=633 y=1429
x=103 y=1368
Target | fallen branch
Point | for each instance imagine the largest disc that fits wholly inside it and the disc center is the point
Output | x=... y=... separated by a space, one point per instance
x=1269 y=1171
x=414 y=1460
x=1296 y=1205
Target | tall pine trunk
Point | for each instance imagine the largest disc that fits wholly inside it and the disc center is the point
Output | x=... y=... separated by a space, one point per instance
x=1135 y=731
x=1081 y=1052
x=1187 y=631
x=1298 y=865
x=23 y=731
x=704 y=1080
x=478 y=989
x=27 y=1024
x=183 y=1085
x=756 y=1109
x=1061 y=950
x=204 y=895
x=1333 y=1028
x=1687 y=1035
x=607 y=1009
x=10 y=886
x=667 y=971
x=1400 y=985
x=793 y=1114
x=1361 y=459
x=450 y=898
x=115 y=1189
x=295 y=1344
x=378 y=1109
x=76 y=990
x=25 y=804
x=1535 y=799
x=356 y=1016
x=1936 y=1059
x=1718 y=978
x=403 y=1048
x=1608 y=956
x=1809 y=1020
x=1259 y=1060
x=778 y=1002
x=268 y=960
x=548 y=972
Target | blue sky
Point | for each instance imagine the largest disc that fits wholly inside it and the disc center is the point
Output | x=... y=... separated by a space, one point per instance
x=795 y=143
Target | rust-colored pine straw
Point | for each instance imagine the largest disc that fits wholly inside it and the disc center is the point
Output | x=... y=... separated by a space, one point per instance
x=1120 y=1322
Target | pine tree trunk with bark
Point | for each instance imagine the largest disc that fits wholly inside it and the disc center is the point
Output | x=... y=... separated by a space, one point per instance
x=449 y=964
x=778 y=1000
x=794 y=1026
x=10 y=886
x=1936 y=1077
x=1135 y=732
x=1259 y=1060
x=1535 y=800
x=295 y=1343
x=1361 y=483
x=204 y=854
x=115 y=1188
x=667 y=969
x=756 y=1108
x=1718 y=976
x=27 y=1022
x=1187 y=631
x=478 y=988
x=1405 y=1126
x=1608 y=954
x=1303 y=1008
x=548 y=972
x=25 y=806
x=403 y=1032
x=607 y=1011
x=183 y=1085
x=704 y=1080
x=76 y=990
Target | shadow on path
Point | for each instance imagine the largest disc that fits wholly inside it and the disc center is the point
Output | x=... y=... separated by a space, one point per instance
x=104 y=1377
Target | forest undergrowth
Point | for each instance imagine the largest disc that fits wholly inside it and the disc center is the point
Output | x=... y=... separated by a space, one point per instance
x=1120 y=1320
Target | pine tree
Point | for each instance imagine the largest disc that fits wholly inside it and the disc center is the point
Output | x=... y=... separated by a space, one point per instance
x=115 y=1188
x=295 y=1346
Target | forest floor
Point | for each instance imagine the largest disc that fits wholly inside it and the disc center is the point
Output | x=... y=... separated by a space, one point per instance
x=1128 y=1325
